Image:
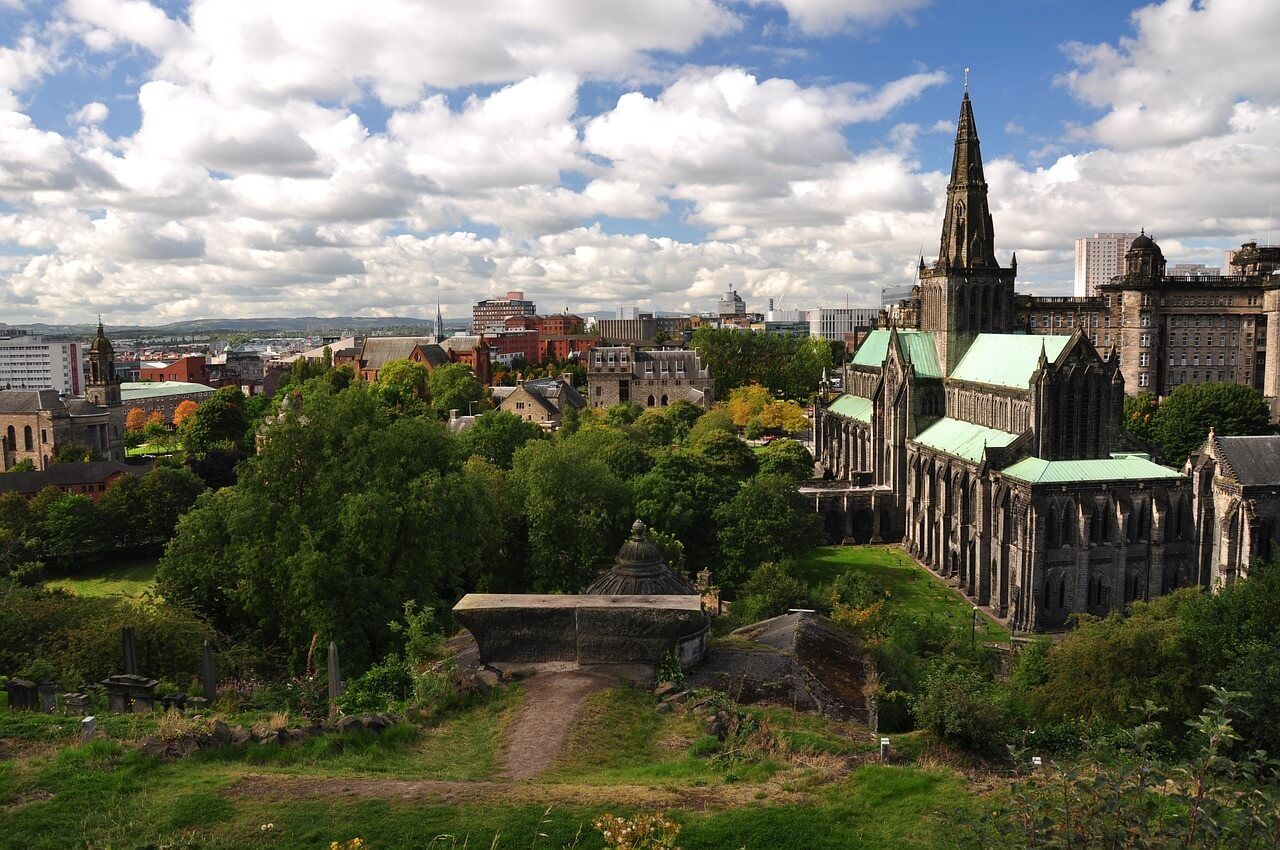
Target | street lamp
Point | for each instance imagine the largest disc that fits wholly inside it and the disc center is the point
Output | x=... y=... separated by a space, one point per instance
x=973 y=633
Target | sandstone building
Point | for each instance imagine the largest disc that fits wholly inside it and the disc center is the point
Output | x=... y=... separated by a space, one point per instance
x=1235 y=485
x=619 y=373
x=542 y=402
x=997 y=456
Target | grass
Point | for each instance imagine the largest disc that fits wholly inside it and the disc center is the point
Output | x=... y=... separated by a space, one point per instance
x=913 y=590
x=131 y=577
x=154 y=449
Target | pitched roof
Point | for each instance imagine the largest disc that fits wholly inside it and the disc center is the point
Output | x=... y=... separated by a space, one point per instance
x=66 y=474
x=916 y=345
x=1253 y=461
x=962 y=439
x=132 y=391
x=29 y=401
x=852 y=407
x=552 y=393
x=1007 y=360
x=381 y=350
x=1118 y=467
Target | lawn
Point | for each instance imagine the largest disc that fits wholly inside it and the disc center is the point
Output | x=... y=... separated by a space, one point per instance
x=154 y=449
x=131 y=577
x=913 y=589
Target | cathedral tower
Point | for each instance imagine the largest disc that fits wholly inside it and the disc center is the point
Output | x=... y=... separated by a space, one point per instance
x=966 y=291
x=103 y=387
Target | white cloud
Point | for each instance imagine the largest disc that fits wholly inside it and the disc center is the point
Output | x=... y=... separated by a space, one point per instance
x=826 y=16
x=90 y=114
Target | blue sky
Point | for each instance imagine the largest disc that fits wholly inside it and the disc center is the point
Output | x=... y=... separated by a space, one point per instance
x=226 y=158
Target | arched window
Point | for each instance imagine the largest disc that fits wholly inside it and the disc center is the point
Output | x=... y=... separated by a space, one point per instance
x=26 y=438
x=1062 y=593
x=1098 y=534
x=664 y=401
x=649 y=402
x=1066 y=537
x=12 y=444
x=1051 y=530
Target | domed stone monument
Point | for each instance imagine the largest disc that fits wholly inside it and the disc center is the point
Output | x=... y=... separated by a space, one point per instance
x=639 y=570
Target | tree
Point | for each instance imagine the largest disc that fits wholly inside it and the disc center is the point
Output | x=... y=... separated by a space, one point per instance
x=678 y=495
x=766 y=520
x=219 y=422
x=73 y=453
x=1187 y=414
x=155 y=430
x=496 y=435
x=24 y=465
x=786 y=365
x=787 y=458
x=770 y=591
x=746 y=403
x=786 y=417
x=715 y=419
x=185 y=410
x=726 y=452
x=402 y=385
x=655 y=428
x=963 y=707
x=135 y=420
x=1140 y=416
x=622 y=413
x=455 y=387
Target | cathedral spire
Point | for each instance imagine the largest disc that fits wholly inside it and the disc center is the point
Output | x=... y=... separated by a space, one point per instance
x=439 y=323
x=967 y=238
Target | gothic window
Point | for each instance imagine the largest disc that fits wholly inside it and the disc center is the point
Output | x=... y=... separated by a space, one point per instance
x=26 y=438
x=664 y=401
x=12 y=443
x=1051 y=540
x=649 y=401
x=1062 y=593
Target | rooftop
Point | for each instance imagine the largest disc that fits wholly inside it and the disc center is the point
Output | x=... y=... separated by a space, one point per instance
x=916 y=345
x=852 y=407
x=132 y=391
x=1118 y=467
x=490 y=601
x=962 y=439
x=1254 y=461
x=1007 y=360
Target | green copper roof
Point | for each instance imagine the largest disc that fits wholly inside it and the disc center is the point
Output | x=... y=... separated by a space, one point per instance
x=1007 y=360
x=853 y=407
x=917 y=345
x=131 y=390
x=1119 y=467
x=962 y=439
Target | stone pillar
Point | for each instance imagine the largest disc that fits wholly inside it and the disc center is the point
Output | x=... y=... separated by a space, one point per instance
x=1271 y=371
x=208 y=679
x=130 y=651
x=335 y=678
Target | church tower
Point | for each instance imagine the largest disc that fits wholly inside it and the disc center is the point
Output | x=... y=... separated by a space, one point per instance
x=103 y=387
x=965 y=292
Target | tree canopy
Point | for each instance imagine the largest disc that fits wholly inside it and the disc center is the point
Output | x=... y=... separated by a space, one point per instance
x=454 y=386
x=1183 y=419
x=787 y=365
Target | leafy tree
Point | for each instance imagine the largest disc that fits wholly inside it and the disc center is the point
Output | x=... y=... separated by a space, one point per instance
x=220 y=422
x=787 y=458
x=622 y=413
x=455 y=387
x=963 y=707
x=746 y=403
x=787 y=417
x=576 y=510
x=754 y=429
x=184 y=411
x=726 y=452
x=1187 y=414
x=772 y=590
x=24 y=465
x=715 y=419
x=155 y=430
x=402 y=385
x=1140 y=416
x=766 y=520
x=683 y=415
x=496 y=435
x=790 y=366
x=74 y=453
x=70 y=529
x=655 y=428
x=678 y=495
x=135 y=420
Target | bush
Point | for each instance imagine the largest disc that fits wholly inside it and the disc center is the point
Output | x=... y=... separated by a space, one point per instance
x=753 y=430
x=770 y=591
x=963 y=708
x=383 y=684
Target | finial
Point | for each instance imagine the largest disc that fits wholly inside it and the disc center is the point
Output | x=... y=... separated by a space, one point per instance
x=637 y=530
x=966 y=80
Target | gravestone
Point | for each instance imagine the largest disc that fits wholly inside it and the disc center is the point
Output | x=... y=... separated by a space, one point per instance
x=48 y=692
x=130 y=652
x=88 y=729
x=22 y=695
x=208 y=677
x=335 y=678
x=75 y=704
x=130 y=693
x=178 y=701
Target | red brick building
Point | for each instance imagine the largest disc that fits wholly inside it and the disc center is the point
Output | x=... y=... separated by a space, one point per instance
x=561 y=347
x=85 y=479
x=561 y=324
x=192 y=369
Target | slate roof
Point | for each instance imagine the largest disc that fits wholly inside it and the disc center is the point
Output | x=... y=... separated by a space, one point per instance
x=1118 y=467
x=852 y=407
x=1253 y=461
x=29 y=401
x=552 y=393
x=917 y=345
x=962 y=439
x=1007 y=360
x=132 y=391
x=66 y=475
x=381 y=350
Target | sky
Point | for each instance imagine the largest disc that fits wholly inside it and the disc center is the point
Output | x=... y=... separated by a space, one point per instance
x=164 y=160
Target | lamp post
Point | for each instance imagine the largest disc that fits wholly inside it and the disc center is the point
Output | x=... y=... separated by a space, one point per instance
x=973 y=632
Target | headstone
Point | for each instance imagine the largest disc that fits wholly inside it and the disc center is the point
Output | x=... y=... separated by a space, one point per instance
x=130 y=693
x=88 y=729
x=75 y=704
x=48 y=692
x=1036 y=762
x=130 y=652
x=178 y=701
x=884 y=750
x=335 y=677
x=208 y=677
x=22 y=695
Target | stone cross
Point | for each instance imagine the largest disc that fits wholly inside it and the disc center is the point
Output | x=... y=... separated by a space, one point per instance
x=130 y=651
x=335 y=677
x=88 y=729
x=207 y=677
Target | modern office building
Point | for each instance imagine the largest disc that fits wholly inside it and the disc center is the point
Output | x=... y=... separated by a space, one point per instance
x=492 y=313
x=1099 y=258
x=30 y=362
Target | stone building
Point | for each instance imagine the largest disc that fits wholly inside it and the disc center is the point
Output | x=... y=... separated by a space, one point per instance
x=1235 y=485
x=1170 y=329
x=997 y=456
x=541 y=402
x=34 y=424
x=649 y=378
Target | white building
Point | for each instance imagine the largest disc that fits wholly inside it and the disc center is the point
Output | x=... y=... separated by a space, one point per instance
x=1193 y=270
x=731 y=304
x=1099 y=258
x=32 y=363
x=834 y=322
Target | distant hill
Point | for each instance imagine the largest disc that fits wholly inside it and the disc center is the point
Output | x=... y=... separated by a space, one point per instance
x=191 y=326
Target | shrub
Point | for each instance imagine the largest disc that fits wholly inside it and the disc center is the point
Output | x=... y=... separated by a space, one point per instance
x=753 y=430
x=963 y=708
x=642 y=832
x=770 y=591
x=384 y=683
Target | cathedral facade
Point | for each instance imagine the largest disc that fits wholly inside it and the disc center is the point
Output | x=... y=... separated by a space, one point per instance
x=998 y=457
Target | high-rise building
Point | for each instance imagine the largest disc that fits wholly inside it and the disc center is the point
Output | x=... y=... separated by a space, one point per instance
x=1099 y=258
x=32 y=363
x=833 y=323
x=492 y=313
x=731 y=304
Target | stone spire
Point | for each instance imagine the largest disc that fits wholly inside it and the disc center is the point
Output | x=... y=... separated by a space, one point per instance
x=439 y=324
x=967 y=238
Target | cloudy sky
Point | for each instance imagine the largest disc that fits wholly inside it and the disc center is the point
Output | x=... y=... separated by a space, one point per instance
x=165 y=160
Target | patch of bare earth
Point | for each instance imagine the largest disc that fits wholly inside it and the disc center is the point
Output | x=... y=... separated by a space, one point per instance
x=539 y=731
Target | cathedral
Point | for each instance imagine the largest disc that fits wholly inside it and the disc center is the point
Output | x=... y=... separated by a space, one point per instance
x=999 y=457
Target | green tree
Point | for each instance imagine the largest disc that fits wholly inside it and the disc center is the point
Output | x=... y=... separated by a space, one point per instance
x=455 y=387
x=1140 y=416
x=1187 y=414
x=71 y=530
x=576 y=512
x=74 y=453
x=219 y=422
x=715 y=419
x=766 y=520
x=24 y=465
x=496 y=435
x=655 y=428
x=963 y=707
x=787 y=458
x=678 y=495
x=726 y=452
x=786 y=365
x=772 y=590
x=402 y=385
x=623 y=413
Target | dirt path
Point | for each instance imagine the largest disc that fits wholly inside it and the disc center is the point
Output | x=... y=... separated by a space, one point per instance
x=539 y=732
